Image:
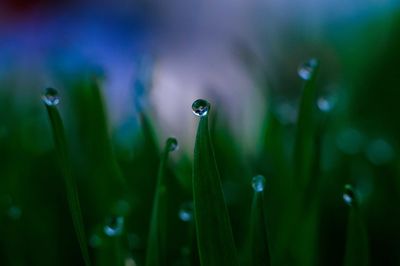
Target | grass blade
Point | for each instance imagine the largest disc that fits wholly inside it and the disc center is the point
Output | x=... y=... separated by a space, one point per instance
x=157 y=241
x=258 y=250
x=214 y=234
x=303 y=149
x=357 y=241
x=51 y=100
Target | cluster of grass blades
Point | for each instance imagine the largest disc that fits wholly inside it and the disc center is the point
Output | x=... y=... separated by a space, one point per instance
x=138 y=206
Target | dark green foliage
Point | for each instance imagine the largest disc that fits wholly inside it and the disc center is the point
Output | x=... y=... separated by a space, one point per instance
x=214 y=234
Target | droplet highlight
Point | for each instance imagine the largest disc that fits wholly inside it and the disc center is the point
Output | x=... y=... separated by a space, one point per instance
x=306 y=69
x=200 y=107
x=348 y=195
x=172 y=144
x=50 y=97
x=114 y=226
x=186 y=212
x=324 y=105
x=258 y=183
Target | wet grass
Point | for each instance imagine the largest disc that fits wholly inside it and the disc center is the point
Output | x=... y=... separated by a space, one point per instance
x=140 y=205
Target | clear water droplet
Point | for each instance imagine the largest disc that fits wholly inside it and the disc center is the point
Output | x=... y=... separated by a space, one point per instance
x=200 y=107
x=14 y=212
x=50 y=97
x=172 y=144
x=306 y=69
x=186 y=212
x=95 y=241
x=324 y=104
x=258 y=183
x=114 y=226
x=348 y=195
x=380 y=152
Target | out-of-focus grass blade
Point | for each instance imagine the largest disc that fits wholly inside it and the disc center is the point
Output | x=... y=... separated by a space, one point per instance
x=214 y=234
x=357 y=250
x=72 y=192
x=157 y=241
x=303 y=149
x=258 y=250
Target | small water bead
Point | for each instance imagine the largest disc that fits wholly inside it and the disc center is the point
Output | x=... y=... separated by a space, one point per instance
x=324 y=104
x=186 y=212
x=50 y=97
x=200 y=107
x=348 y=195
x=172 y=144
x=114 y=226
x=306 y=70
x=258 y=183
x=380 y=152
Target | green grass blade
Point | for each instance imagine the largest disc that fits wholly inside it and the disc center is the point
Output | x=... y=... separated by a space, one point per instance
x=214 y=234
x=258 y=250
x=357 y=250
x=303 y=149
x=72 y=192
x=157 y=241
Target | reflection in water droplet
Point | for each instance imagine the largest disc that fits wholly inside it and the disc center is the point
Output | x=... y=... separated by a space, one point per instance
x=324 y=104
x=200 y=107
x=172 y=144
x=350 y=141
x=95 y=241
x=258 y=183
x=14 y=212
x=380 y=152
x=306 y=70
x=114 y=226
x=186 y=212
x=50 y=97
x=348 y=195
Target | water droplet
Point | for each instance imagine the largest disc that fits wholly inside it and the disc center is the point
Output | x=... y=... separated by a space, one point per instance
x=324 y=104
x=306 y=70
x=200 y=107
x=258 y=183
x=172 y=144
x=14 y=212
x=350 y=141
x=95 y=241
x=186 y=212
x=50 y=97
x=348 y=195
x=380 y=152
x=114 y=226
